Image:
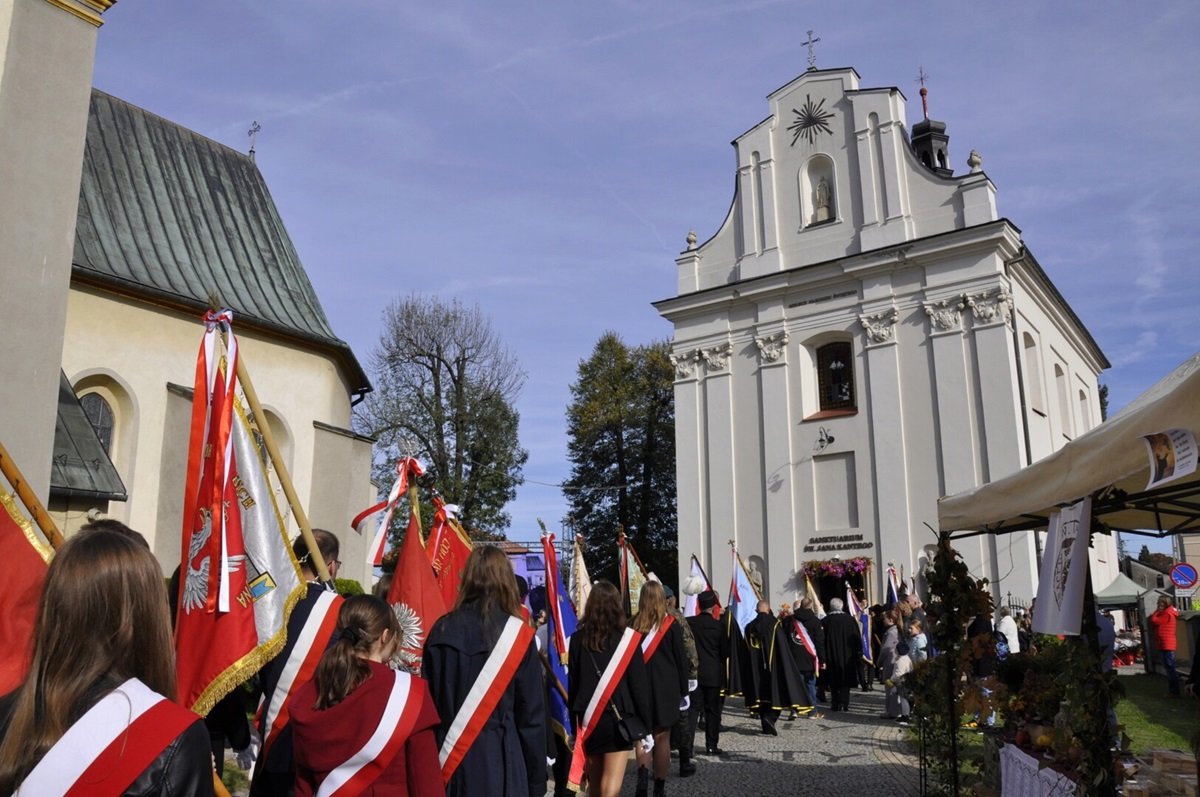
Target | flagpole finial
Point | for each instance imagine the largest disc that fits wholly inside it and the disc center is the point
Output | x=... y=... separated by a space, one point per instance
x=733 y=544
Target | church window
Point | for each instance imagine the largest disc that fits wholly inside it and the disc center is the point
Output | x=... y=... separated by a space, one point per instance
x=1064 y=405
x=1085 y=411
x=1034 y=395
x=835 y=376
x=100 y=416
x=942 y=158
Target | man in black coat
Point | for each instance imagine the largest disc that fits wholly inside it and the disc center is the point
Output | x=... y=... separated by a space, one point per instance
x=802 y=613
x=843 y=648
x=774 y=682
x=712 y=648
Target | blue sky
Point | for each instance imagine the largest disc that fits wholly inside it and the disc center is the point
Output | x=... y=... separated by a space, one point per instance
x=546 y=160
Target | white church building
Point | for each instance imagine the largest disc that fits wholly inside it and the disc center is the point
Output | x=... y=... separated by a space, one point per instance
x=863 y=334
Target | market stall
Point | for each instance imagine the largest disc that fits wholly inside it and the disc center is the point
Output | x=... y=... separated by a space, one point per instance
x=1139 y=471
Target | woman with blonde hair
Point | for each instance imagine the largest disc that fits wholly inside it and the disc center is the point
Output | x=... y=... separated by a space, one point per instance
x=482 y=667
x=666 y=666
x=95 y=714
x=359 y=727
x=608 y=692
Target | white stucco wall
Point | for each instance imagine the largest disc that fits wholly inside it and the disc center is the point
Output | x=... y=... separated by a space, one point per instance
x=926 y=282
x=129 y=351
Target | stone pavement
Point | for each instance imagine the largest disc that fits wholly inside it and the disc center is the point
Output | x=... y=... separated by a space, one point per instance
x=853 y=753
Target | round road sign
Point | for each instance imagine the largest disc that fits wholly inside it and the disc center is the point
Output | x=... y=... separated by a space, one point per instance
x=1183 y=575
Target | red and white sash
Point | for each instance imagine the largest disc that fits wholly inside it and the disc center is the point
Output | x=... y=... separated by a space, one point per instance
x=302 y=663
x=654 y=637
x=106 y=750
x=604 y=692
x=807 y=641
x=489 y=686
x=395 y=726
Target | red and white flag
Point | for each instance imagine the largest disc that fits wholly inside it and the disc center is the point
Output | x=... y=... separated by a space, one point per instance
x=415 y=596
x=448 y=548
x=238 y=575
x=406 y=468
x=25 y=558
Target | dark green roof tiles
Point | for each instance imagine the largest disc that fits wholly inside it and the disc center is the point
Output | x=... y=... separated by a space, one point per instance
x=173 y=216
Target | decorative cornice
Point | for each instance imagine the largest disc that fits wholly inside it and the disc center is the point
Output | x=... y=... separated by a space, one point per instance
x=880 y=326
x=771 y=347
x=685 y=363
x=991 y=306
x=87 y=10
x=718 y=356
x=946 y=314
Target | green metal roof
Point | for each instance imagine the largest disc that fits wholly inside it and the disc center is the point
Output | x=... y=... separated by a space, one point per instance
x=80 y=467
x=170 y=216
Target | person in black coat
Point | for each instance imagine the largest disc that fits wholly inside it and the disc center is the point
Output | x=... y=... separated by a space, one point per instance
x=774 y=682
x=591 y=648
x=843 y=648
x=508 y=758
x=103 y=627
x=712 y=646
x=808 y=666
x=275 y=772
x=667 y=667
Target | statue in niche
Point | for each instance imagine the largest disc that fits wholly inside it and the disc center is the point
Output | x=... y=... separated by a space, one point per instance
x=823 y=205
x=755 y=575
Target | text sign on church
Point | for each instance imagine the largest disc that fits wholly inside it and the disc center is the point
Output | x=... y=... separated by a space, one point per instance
x=838 y=542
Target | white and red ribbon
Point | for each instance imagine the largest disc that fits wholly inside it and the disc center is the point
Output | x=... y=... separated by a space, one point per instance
x=302 y=663
x=655 y=636
x=491 y=683
x=626 y=647
x=106 y=750
x=404 y=467
x=552 y=597
x=395 y=726
x=808 y=643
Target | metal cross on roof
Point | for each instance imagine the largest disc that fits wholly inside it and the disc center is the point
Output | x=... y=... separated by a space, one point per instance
x=922 y=76
x=255 y=127
x=812 y=58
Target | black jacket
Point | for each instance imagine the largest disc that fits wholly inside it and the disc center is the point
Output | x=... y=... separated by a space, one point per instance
x=807 y=618
x=508 y=758
x=182 y=769
x=712 y=646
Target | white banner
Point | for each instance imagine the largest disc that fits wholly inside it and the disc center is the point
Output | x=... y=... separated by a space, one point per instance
x=1059 y=607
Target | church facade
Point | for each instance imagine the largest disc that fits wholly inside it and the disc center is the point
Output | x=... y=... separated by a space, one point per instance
x=863 y=334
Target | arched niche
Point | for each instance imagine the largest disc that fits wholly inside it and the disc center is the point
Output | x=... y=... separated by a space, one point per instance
x=121 y=402
x=818 y=191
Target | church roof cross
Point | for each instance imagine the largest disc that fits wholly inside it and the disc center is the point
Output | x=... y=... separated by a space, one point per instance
x=255 y=127
x=812 y=57
x=922 y=76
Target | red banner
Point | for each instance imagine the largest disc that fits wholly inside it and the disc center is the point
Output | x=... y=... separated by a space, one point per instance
x=25 y=557
x=415 y=595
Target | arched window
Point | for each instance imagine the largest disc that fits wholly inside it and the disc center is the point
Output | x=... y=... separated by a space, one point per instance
x=835 y=376
x=1034 y=395
x=1064 y=406
x=1085 y=411
x=100 y=415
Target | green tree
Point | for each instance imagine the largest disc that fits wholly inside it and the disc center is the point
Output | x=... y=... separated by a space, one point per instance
x=1103 y=402
x=445 y=387
x=1144 y=554
x=621 y=444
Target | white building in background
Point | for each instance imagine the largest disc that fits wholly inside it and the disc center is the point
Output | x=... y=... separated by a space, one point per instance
x=863 y=334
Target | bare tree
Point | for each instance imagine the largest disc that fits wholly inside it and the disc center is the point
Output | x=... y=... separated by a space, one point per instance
x=445 y=389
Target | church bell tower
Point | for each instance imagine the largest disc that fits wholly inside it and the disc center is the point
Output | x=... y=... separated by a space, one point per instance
x=929 y=139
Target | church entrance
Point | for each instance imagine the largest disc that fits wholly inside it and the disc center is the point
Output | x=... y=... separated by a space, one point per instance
x=830 y=577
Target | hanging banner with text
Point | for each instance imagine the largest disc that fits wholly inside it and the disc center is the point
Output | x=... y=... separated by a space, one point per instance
x=1059 y=607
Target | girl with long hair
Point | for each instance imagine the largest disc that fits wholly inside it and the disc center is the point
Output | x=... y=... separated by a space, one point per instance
x=593 y=645
x=666 y=666
x=359 y=724
x=95 y=712
x=502 y=753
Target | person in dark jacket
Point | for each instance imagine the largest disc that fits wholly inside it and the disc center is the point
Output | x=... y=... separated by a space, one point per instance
x=667 y=667
x=275 y=772
x=774 y=682
x=592 y=646
x=681 y=740
x=806 y=663
x=508 y=758
x=102 y=641
x=712 y=648
x=843 y=647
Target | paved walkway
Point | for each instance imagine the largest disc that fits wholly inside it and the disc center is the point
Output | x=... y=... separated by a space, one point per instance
x=829 y=756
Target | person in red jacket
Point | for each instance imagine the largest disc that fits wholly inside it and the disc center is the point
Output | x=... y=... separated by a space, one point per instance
x=359 y=727
x=1162 y=622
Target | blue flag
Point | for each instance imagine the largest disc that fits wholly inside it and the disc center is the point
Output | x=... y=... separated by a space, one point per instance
x=560 y=624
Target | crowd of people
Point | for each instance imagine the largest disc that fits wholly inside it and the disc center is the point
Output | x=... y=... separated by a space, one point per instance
x=96 y=710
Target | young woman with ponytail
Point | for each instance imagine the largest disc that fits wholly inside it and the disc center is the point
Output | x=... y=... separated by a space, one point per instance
x=666 y=668
x=359 y=727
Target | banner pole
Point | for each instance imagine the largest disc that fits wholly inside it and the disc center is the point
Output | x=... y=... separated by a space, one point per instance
x=27 y=496
x=285 y=480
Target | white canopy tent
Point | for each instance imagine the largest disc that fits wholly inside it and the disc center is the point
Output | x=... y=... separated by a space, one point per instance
x=1109 y=463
